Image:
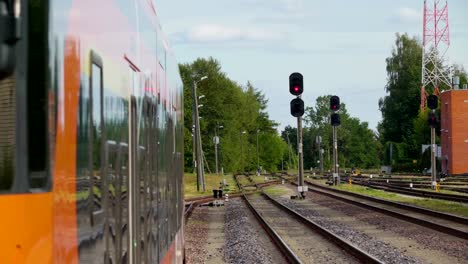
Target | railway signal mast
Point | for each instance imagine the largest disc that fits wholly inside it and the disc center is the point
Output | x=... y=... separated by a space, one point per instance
x=432 y=103
x=335 y=121
x=436 y=42
x=296 y=87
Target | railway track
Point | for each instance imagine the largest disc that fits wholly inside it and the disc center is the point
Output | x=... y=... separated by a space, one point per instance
x=414 y=192
x=299 y=241
x=443 y=222
x=192 y=203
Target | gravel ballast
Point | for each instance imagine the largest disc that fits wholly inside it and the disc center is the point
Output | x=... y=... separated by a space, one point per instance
x=246 y=241
x=381 y=250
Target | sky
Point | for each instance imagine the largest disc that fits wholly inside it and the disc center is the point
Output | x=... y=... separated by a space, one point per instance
x=339 y=46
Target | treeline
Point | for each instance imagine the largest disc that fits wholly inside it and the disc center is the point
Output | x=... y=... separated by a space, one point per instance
x=241 y=111
x=238 y=112
x=404 y=127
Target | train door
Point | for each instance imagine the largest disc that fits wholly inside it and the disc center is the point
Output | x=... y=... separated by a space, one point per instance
x=134 y=250
x=116 y=170
x=146 y=190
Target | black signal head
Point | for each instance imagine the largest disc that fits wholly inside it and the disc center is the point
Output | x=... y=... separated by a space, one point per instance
x=432 y=102
x=297 y=107
x=334 y=103
x=335 y=119
x=296 y=84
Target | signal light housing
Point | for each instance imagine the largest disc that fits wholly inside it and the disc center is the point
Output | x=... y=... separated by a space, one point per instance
x=296 y=84
x=432 y=102
x=334 y=103
x=297 y=107
x=335 y=119
x=432 y=120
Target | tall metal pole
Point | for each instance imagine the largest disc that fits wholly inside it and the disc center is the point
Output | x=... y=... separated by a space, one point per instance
x=299 y=150
x=433 y=158
x=336 y=178
x=320 y=150
x=216 y=149
x=200 y=167
x=242 y=153
x=194 y=151
x=258 y=158
x=195 y=135
x=321 y=160
x=289 y=151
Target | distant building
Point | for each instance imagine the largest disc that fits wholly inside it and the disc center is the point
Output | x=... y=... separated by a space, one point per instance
x=454 y=131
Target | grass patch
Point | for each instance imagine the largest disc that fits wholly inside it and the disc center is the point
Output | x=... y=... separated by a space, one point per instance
x=243 y=180
x=211 y=182
x=434 y=204
x=261 y=179
x=444 y=191
x=275 y=190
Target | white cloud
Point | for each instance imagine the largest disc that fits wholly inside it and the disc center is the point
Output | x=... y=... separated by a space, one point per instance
x=406 y=14
x=220 y=33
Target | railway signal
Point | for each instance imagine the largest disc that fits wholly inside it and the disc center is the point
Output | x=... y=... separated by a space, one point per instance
x=296 y=87
x=334 y=103
x=432 y=120
x=296 y=84
x=297 y=107
x=335 y=121
x=432 y=102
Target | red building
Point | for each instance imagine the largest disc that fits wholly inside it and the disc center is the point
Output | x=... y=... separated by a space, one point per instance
x=454 y=131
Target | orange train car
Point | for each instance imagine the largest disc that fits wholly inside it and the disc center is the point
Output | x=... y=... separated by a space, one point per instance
x=91 y=134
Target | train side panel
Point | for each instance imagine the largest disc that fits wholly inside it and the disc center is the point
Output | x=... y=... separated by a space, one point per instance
x=109 y=123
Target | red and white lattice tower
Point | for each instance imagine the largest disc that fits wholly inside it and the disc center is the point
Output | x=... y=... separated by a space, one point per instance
x=436 y=42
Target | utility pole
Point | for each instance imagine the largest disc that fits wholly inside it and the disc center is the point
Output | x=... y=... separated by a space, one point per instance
x=318 y=140
x=199 y=151
x=216 y=141
x=242 y=151
x=194 y=148
x=289 y=149
x=321 y=160
x=258 y=157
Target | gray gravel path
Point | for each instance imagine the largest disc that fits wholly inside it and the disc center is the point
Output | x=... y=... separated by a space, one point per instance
x=246 y=241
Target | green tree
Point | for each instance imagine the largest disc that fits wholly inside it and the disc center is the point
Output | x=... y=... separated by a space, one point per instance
x=401 y=105
x=236 y=109
x=358 y=145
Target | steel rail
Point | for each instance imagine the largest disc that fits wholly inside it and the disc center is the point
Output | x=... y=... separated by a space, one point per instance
x=327 y=234
x=420 y=193
x=423 y=222
x=290 y=256
x=287 y=252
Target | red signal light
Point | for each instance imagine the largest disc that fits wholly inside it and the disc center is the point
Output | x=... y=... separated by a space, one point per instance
x=334 y=103
x=296 y=84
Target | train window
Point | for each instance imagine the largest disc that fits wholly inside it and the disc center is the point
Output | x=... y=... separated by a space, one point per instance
x=24 y=109
x=7 y=132
x=97 y=138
